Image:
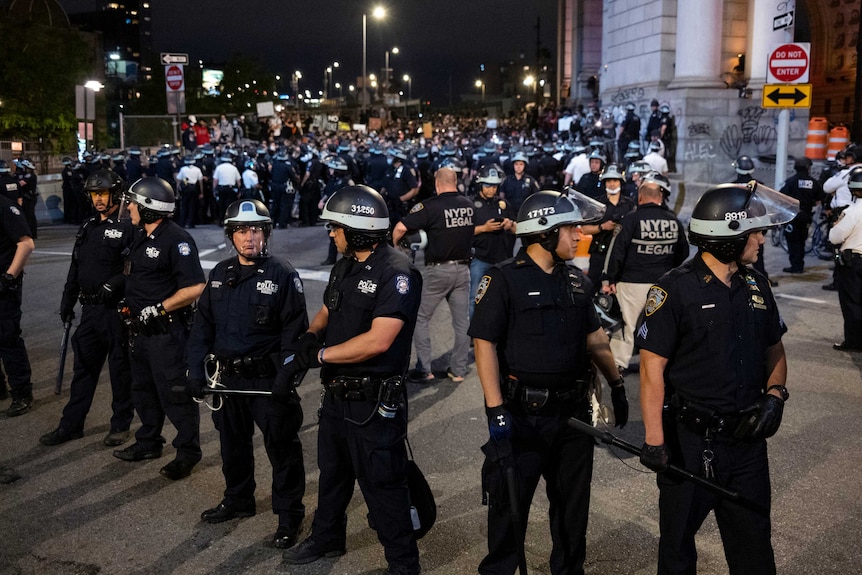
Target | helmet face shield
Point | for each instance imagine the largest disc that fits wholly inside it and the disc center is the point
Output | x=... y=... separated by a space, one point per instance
x=547 y=210
x=752 y=207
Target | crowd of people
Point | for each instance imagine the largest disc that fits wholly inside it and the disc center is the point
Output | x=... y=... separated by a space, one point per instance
x=173 y=336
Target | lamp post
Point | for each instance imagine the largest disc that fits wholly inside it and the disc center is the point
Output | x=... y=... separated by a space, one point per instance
x=95 y=86
x=378 y=13
x=409 y=80
x=294 y=81
x=386 y=74
x=481 y=84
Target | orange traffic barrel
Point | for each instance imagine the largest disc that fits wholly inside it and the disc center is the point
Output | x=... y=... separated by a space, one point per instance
x=815 y=145
x=839 y=137
x=582 y=253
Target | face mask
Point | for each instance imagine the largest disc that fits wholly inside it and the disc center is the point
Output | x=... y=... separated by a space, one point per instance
x=389 y=161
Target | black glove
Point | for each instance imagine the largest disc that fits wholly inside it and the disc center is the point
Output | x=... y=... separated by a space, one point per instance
x=196 y=388
x=621 y=404
x=105 y=295
x=655 y=457
x=307 y=349
x=67 y=313
x=284 y=385
x=760 y=419
x=8 y=283
x=500 y=424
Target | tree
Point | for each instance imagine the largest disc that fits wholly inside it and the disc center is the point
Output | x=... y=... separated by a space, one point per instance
x=39 y=67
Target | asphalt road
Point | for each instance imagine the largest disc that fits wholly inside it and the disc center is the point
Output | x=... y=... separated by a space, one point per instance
x=78 y=510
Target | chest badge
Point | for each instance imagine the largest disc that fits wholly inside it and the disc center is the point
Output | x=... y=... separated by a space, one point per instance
x=267 y=287
x=367 y=287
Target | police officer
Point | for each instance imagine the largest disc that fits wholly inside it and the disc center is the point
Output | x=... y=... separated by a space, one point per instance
x=250 y=315
x=519 y=186
x=535 y=330
x=361 y=338
x=631 y=129
x=96 y=279
x=226 y=183
x=191 y=182
x=744 y=167
x=719 y=380
x=16 y=245
x=802 y=187
x=447 y=218
x=163 y=279
x=837 y=192
x=493 y=238
x=283 y=184
x=848 y=270
x=29 y=195
x=339 y=177
x=134 y=169
x=403 y=185
x=590 y=183
x=651 y=241
x=10 y=184
x=617 y=206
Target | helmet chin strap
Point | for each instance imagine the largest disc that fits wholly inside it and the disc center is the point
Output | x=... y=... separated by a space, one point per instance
x=550 y=241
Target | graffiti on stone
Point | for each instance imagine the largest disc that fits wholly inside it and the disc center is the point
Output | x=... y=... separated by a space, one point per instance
x=701 y=129
x=628 y=95
x=699 y=151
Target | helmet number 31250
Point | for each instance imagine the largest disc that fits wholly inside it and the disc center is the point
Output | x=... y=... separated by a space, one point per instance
x=360 y=209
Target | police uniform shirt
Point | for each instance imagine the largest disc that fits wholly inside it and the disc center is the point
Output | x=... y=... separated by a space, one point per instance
x=492 y=247
x=384 y=285
x=281 y=172
x=10 y=186
x=247 y=311
x=714 y=336
x=13 y=227
x=804 y=188
x=590 y=185
x=28 y=189
x=98 y=256
x=651 y=241
x=515 y=191
x=250 y=179
x=159 y=264
x=403 y=180
x=848 y=230
x=189 y=175
x=226 y=174
x=539 y=321
x=447 y=218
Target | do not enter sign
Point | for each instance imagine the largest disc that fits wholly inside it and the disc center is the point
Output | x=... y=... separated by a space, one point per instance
x=789 y=63
x=174 y=78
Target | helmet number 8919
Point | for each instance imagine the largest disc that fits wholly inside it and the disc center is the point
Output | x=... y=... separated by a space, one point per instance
x=735 y=215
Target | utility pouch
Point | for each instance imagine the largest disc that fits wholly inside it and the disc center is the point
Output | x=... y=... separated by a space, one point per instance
x=533 y=398
x=697 y=419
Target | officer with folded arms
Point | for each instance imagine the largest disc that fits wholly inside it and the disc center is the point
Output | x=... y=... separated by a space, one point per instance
x=361 y=338
x=96 y=280
x=535 y=332
x=848 y=268
x=163 y=280
x=248 y=320
x=712 y=374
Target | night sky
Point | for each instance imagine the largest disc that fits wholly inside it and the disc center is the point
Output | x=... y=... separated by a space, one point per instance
x=437 y=39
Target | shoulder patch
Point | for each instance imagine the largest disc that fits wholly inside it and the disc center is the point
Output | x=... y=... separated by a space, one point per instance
x=655 y=299
x=402 y=284
x=15 y=210
x=482 y=288
x=184 y=248
x=502 y=204
x=297 y=283
x=417 y=208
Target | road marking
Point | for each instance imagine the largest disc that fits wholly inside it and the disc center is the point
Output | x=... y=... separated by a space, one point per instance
x=41 y=252
x=799 y=298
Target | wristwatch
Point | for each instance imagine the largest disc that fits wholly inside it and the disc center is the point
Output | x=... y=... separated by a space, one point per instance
x=781 y=390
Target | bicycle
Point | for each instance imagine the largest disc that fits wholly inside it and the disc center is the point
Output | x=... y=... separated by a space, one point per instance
x=816 y=242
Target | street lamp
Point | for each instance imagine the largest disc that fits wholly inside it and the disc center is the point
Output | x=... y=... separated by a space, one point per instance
x=409 y=80
x=481 y=84
x=294 y=82
x=95 y=86
x=378 y=13
x=394 y=50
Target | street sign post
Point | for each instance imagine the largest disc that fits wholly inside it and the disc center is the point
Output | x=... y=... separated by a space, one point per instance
x=786 y=96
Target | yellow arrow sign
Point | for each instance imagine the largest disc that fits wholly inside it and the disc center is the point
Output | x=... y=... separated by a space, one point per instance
x=786 y=96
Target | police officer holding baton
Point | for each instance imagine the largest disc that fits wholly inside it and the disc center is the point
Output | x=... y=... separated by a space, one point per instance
x=535 y=331
x=361 y=338
x=249 y=317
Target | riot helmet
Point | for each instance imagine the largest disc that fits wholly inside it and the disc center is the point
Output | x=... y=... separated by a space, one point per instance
x=4 y=167
x=456 y=164
x=336 y=163
x=248 y=214
x=612 y=172
x=655 y=178
x=154 y=198
x=491 y=175
x=744 y=165
x=854 y=181
x=630 y=107
x=725 y=215
x=363 y=214
x=543 y=213
x=655 y=146
x=802 y=164
x=639 y=167
x=520 y=156
x=106 y=180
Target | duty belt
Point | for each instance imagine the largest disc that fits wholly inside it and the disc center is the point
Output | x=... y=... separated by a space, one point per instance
x=536 y=399
x=89 y=299
x=449 y=262
x=355 y=388
x=703 y=421
x=249 y=366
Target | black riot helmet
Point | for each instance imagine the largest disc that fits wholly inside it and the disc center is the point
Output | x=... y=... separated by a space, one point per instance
x=363 y=214
x=106 y=180
x=744 y=165
x=542 y=214
x=248 y=213
x=154 y=197
x=725 y=215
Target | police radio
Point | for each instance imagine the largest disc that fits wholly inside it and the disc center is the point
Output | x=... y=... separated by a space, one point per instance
x=391 y=392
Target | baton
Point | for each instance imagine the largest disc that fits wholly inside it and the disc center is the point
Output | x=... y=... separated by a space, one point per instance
x=64 y=347
x=720 y=490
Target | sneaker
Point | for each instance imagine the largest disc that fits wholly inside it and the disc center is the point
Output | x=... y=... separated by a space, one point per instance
x=177 y=469
x=309 y=551
x=225 y=512
x=830 y=287
x=59 y=436
x=136 y=452
x=115 y=438
x=20 y=406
